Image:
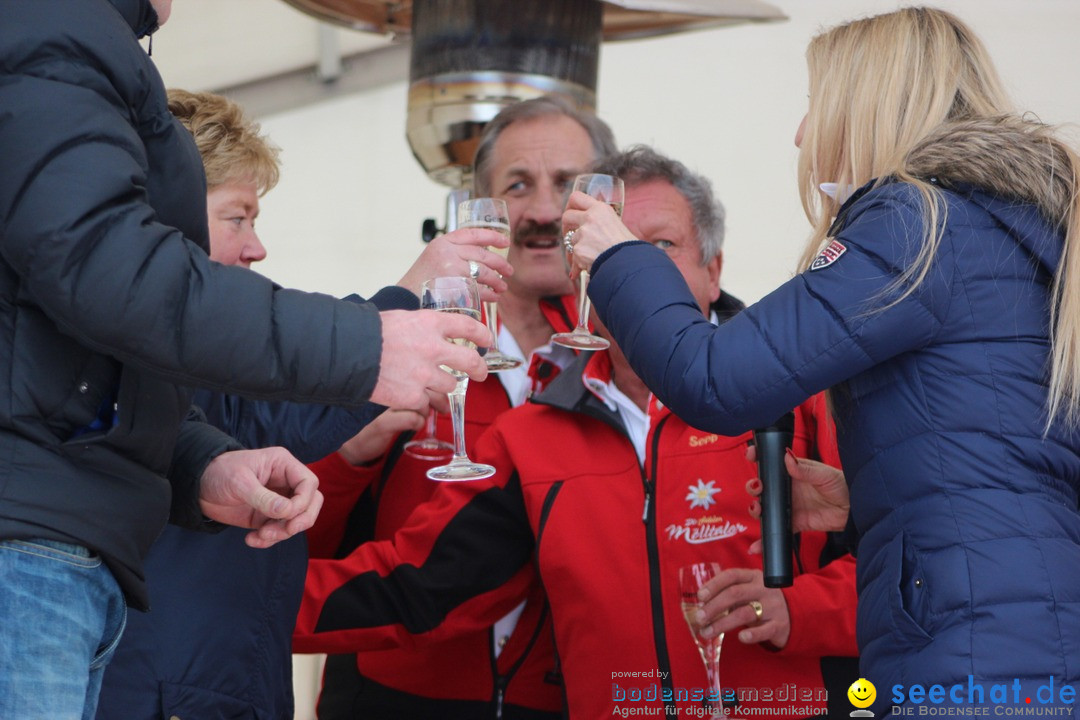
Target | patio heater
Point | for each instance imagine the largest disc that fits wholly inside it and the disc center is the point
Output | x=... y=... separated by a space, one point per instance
x=471 y=58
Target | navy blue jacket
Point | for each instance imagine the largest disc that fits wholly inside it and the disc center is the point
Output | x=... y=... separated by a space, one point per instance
x=217 y=642
x=109 y=305
x=967 y=514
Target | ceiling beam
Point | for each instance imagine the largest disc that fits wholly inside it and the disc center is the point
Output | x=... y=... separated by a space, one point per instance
x=298 y=88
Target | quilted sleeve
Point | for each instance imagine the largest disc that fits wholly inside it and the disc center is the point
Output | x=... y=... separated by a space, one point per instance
x=816 y=330
x=89 y=250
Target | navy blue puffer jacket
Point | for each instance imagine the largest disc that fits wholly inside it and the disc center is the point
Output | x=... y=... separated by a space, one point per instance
x=109 y=303
x=170 y=662
x=969 y=530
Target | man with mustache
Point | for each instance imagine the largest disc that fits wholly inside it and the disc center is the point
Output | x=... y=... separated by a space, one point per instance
x=600 y=494
x=528 y=156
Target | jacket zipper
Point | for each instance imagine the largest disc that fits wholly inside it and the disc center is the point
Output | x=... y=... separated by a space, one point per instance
x=652 y=545
x=500 y=692
x=500 y=681
x=555 y=675
x=503 y=681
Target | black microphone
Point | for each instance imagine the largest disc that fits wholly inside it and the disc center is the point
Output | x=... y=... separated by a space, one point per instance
x=772 y=443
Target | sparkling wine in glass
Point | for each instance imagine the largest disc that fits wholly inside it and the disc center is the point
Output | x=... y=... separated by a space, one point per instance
x=490 y=213
x=457 y=295
x=691 y=579
x=608 y=189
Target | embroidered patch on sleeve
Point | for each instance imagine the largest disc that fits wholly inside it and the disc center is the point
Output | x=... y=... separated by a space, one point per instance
x=829 y=255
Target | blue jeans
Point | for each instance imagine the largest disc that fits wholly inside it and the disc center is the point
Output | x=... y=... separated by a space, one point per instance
x=61 y=616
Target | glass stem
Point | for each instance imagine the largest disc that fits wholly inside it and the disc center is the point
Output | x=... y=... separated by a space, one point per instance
x=491 y=314
x=712 y=673
x=457 y=417
x=432 y=419
x=583 y=303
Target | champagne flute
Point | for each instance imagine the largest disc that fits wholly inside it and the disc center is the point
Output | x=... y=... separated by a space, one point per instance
x=691 y=579
x=609 y=189
x=490 y=213
x=456 y=295
x=427 y=445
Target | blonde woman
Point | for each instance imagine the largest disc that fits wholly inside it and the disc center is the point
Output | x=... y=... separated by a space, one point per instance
x=938 y=301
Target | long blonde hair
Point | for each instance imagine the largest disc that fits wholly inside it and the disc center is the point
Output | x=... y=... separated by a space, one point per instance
x=882 y=90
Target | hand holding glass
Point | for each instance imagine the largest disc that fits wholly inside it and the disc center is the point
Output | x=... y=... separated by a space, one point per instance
x=490 y=213
x=456 y=295
x=608 y=189
x=691 y=579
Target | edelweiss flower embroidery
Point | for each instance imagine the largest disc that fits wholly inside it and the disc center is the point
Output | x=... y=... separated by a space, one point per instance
x=701 y=495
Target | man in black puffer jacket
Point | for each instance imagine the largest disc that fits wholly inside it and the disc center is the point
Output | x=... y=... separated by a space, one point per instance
x=108 y=303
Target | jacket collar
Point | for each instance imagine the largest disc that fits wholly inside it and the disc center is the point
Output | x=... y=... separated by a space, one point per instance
x=560 y=311
x=139 y=14
x=727 y=306
x=841 y=214
x=570 y=390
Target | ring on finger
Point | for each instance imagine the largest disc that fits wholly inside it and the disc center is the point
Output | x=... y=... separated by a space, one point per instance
x=474 y=269
x=758 y=609
x=566 y=241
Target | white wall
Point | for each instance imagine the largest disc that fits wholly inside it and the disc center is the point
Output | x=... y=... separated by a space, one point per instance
x=347 y=213
x=209 y=44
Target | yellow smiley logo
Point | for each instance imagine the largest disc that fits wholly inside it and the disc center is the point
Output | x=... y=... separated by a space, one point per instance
x=862 y=693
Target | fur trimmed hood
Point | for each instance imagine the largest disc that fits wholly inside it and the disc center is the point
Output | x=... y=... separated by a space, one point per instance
x=1009 y=156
